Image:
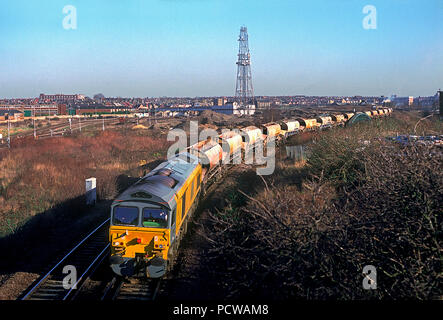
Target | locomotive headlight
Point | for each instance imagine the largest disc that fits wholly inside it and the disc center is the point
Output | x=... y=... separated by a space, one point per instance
x=116 y=243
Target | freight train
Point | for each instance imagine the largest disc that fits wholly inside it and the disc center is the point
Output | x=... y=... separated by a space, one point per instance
x=150 y=218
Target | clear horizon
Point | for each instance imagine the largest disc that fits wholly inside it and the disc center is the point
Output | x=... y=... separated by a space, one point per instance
x=188 y=48
x=213 y=96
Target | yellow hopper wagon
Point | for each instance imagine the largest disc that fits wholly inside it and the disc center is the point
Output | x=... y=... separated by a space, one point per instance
x=308 y=124
x=289 y=127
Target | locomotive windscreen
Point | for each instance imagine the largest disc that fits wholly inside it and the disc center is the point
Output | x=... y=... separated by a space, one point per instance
x=155 y=218
x=125 y=216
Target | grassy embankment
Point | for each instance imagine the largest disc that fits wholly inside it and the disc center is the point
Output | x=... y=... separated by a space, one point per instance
x=308 y=232
x=44 y=175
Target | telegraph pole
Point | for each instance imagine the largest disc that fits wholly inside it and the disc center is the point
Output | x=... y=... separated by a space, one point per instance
x=103 y=124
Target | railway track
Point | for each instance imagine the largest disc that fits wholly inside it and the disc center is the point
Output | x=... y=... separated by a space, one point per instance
x=85 y=257
x=132 y=289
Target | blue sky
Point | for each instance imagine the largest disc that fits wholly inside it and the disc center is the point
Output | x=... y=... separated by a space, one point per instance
x=189 y=47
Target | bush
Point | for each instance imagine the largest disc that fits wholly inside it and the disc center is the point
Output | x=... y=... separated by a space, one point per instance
x=365 y=203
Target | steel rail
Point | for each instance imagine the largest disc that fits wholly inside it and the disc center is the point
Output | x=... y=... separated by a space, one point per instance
x=46 y=276
x=100 y=256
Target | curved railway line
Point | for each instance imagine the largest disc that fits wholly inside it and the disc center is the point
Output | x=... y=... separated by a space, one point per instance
x=86 y=256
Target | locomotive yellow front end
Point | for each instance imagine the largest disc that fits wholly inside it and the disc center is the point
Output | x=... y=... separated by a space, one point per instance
x=140 y=239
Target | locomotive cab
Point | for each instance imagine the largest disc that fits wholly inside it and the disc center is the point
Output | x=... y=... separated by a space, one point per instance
x=140 y=237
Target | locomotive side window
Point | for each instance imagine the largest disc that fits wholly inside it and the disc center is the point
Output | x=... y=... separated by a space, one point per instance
x=125 y=216
x=154 y=218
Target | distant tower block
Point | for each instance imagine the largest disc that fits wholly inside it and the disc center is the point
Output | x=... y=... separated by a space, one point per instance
x=244 y=91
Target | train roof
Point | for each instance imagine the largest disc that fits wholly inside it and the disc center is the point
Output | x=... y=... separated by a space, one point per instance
x=162 y=183
x=249 y=128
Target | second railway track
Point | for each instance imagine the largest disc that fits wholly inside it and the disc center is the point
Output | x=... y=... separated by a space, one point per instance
x=84 y=258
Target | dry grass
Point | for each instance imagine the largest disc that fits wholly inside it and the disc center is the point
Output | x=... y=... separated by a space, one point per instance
x=36 y=176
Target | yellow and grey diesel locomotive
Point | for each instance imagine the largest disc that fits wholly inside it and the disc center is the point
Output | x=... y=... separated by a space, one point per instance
x=150 y=217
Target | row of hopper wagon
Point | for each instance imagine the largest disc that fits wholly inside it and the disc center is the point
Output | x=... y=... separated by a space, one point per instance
x=232 y=145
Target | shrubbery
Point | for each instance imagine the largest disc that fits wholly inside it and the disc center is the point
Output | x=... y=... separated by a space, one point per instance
x=365 y=202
